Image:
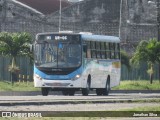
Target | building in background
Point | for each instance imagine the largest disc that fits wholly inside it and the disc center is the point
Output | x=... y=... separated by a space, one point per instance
x=138 y=22
x=138 y=18
x=135 y=18
x=46 y=6
x=27 y=15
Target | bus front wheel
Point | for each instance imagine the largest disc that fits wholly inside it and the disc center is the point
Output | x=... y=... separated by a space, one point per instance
x=68 y=92
x=71 y=93
x=65 y=93
x=45 y=91
x=85 y=91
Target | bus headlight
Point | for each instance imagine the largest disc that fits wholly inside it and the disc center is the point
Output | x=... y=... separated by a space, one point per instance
x=76 y=77
x=37 y=76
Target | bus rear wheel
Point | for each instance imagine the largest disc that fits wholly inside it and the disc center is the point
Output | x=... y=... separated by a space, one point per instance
x=99 y=91
x=45 y=91
x=106 y=89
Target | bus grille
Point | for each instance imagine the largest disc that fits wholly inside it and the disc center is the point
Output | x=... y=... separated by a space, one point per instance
x=57 y=84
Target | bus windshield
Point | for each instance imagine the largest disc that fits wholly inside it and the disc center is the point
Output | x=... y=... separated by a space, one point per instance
x=63 y=52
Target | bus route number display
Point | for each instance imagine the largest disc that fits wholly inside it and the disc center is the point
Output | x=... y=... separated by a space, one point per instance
x=60 y=37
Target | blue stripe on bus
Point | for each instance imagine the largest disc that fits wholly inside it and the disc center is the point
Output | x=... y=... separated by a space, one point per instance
x=57 y=77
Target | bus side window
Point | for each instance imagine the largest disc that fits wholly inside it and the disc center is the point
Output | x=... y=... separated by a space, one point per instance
x=117 y=51
x=98 y=49
x=84 y=49
x=103 y=52
x=112 y=48
x=108 y=51
x=88 y=52
x=93 y=49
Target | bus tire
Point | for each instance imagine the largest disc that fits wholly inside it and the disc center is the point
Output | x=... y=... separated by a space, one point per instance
x=107 y=88
x=71 y=93
x=99 y=91
x=85 y=91
x=68 y=92
x=45 y=91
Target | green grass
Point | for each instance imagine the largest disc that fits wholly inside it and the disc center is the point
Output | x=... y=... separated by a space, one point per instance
x=154 y=108
x=17 y=86
x=138 y=85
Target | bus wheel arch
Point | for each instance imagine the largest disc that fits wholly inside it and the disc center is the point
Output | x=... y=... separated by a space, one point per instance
x=107 y=86
x=89 y=79
x=85 y=91
x=108 y=80
x=105 y=90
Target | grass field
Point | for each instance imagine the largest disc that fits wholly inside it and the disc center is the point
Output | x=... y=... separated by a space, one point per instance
x=157 y=108
x=138 y=85
x=124 y=85
x=18 y=86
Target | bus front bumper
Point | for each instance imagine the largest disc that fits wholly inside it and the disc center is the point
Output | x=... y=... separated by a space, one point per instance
x=57 y=83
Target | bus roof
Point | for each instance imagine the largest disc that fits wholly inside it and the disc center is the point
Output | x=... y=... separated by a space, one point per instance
x=102 y=38
x=88 y=37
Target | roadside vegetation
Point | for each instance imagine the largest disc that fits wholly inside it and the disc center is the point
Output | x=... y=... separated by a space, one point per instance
x=154 y=108
x=147 y=51
x=17 y=86
x=13 y=45
x=138 y=85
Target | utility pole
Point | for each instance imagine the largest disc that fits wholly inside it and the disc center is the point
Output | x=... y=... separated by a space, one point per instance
x=60 y=14
x=158 y=20
x=158 y=28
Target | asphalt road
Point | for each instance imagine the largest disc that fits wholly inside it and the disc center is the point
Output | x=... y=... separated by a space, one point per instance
x=77 y=99
x=58 y=103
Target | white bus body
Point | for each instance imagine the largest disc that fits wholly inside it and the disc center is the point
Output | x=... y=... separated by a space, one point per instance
x=96 y=65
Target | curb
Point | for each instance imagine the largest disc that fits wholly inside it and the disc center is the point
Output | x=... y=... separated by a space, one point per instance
x=135 y=91
x=68 y=102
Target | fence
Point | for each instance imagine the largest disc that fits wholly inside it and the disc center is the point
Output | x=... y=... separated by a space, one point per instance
x=26 y=70
x=138 y=72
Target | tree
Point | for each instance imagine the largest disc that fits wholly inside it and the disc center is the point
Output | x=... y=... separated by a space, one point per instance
x=15 y=44
x=125 y=59
x=147 y=51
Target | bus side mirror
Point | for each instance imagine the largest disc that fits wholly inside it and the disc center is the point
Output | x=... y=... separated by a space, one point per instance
x=84 y=48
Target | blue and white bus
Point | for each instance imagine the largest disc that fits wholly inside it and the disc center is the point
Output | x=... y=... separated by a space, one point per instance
x=69 y=62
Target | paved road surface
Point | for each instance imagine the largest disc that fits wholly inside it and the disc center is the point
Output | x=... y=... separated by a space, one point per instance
x=59 y=100
x=113 y=102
